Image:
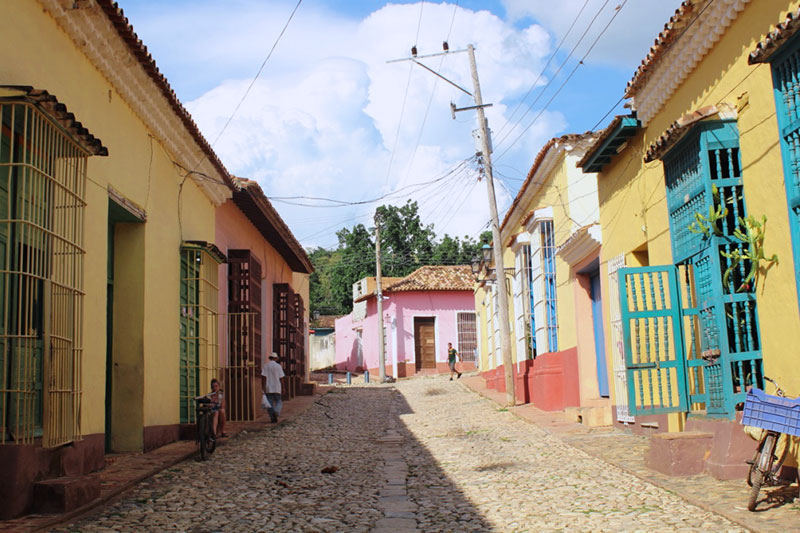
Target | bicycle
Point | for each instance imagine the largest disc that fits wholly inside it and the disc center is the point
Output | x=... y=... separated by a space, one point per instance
x=205 y=437
x=779 y=417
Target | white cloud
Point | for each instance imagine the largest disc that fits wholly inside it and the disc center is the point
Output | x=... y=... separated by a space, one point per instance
x=625 y=43
x=323 y=118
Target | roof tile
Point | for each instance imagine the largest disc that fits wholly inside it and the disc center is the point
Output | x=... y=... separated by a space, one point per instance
x=436 y=278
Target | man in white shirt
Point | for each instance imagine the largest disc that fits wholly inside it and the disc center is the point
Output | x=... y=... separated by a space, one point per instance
x=272 y=372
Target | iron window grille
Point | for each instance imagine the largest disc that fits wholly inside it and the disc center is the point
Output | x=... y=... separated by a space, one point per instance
x=785 y=73
x=467 y=336
x=42 y=209
x=544 y=322
x=199 y=346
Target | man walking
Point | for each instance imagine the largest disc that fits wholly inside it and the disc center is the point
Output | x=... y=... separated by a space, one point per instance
x=452 y=353
x=272 y=372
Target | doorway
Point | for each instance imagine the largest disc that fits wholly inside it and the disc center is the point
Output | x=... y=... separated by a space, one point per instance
x=124 y=327
x=599 y=334
x=425 y=343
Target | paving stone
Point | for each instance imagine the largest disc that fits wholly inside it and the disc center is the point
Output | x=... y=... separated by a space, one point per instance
x=450 y=462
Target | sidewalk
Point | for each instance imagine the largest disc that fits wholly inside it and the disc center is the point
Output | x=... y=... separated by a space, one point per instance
x=626 y=451
x=123 y=471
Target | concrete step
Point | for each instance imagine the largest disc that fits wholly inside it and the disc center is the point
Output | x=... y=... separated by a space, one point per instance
x=679 y=454
x=64 y=494
x=590 y=416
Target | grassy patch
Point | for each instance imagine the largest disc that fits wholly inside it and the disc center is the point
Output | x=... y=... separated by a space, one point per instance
x=502 y=410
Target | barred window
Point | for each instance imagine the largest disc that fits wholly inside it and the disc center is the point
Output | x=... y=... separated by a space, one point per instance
x=543 y=287
x=199 y=347
x=42 y=189
x=467 y=336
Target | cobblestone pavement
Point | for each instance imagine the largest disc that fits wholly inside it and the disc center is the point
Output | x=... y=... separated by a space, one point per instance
x=270 y=480
x=519 y=477
x=423 y=455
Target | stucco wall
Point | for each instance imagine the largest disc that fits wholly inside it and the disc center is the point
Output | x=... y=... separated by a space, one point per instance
x=234 y=231
x=632 y=193
x=399 y=313
x=140 y=169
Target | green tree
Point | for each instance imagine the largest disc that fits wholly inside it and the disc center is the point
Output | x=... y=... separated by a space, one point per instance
x=356 y=260
x=406 y=244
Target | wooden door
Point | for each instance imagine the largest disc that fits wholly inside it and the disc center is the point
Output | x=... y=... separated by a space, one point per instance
x=424 y=343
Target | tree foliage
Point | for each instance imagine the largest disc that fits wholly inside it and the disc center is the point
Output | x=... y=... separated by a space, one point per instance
x=406 y=245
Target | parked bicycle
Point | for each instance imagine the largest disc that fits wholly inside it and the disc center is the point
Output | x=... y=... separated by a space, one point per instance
x=205 y=435
x=779 y=418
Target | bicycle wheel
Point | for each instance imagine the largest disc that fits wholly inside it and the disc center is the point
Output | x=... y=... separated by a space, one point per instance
x=202 y=435
x=211 y=441
x=762 y=465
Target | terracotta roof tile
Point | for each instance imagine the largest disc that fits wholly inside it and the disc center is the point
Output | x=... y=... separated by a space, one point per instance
x=774 y=39
x=324 y=321
x=124 y=29
x=672 y=30
x=681 y=126
x=57 y=111
x=436 y=278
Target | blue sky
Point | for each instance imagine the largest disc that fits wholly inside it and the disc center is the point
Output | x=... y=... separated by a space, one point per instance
x=328 y=117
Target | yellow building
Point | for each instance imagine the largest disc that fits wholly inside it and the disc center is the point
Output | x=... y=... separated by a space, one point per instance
x=552 y=237
x=693 y=322
x=107 y=219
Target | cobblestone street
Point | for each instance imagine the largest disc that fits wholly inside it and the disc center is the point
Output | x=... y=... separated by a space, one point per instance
x=424 y=454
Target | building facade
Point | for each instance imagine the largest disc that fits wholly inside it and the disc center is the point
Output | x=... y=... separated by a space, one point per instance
x=423 y=312
x=698 y=255
x=551 y=236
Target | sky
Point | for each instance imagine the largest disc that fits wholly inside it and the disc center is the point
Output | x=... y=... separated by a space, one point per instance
x=328 y=118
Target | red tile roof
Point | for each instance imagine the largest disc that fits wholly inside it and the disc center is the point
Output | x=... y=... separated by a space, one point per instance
x=672 y=30
x=774 y=39
x=681 y=126
x=125 y=31
x=324 y=321
x=436 y=278
x=57 y=111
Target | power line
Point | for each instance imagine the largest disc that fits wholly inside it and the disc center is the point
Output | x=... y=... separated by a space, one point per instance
x=569 y=77
x=555 y=75
x=433 y=92
x=253 y=81
x=344 y=203
x=544 y=68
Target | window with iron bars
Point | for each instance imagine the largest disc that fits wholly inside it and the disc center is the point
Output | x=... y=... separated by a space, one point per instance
x=467 y=336
x=42 y=189
x=199 y=347
x=523 y=304
x=544 y=321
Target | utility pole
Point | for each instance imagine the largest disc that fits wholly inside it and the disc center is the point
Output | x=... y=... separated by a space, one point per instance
x=379 y=291
x=502 y=293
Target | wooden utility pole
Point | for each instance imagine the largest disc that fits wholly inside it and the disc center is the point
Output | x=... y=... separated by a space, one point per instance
x=379 y=291
x=502 y=294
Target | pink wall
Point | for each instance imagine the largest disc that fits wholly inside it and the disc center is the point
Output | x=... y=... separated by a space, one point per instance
x=399 y=312
x=234 y=231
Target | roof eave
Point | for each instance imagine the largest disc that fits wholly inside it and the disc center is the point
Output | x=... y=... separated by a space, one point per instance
x=610 y=144
x=257 y=208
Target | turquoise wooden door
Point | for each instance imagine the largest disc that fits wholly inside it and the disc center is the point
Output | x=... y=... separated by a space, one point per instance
x=702 y=172
x=654 y=340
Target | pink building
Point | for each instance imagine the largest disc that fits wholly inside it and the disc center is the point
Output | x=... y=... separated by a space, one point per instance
x=422 y=312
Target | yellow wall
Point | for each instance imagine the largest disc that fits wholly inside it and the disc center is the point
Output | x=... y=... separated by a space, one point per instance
x=51 y=61
x=633 y=196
